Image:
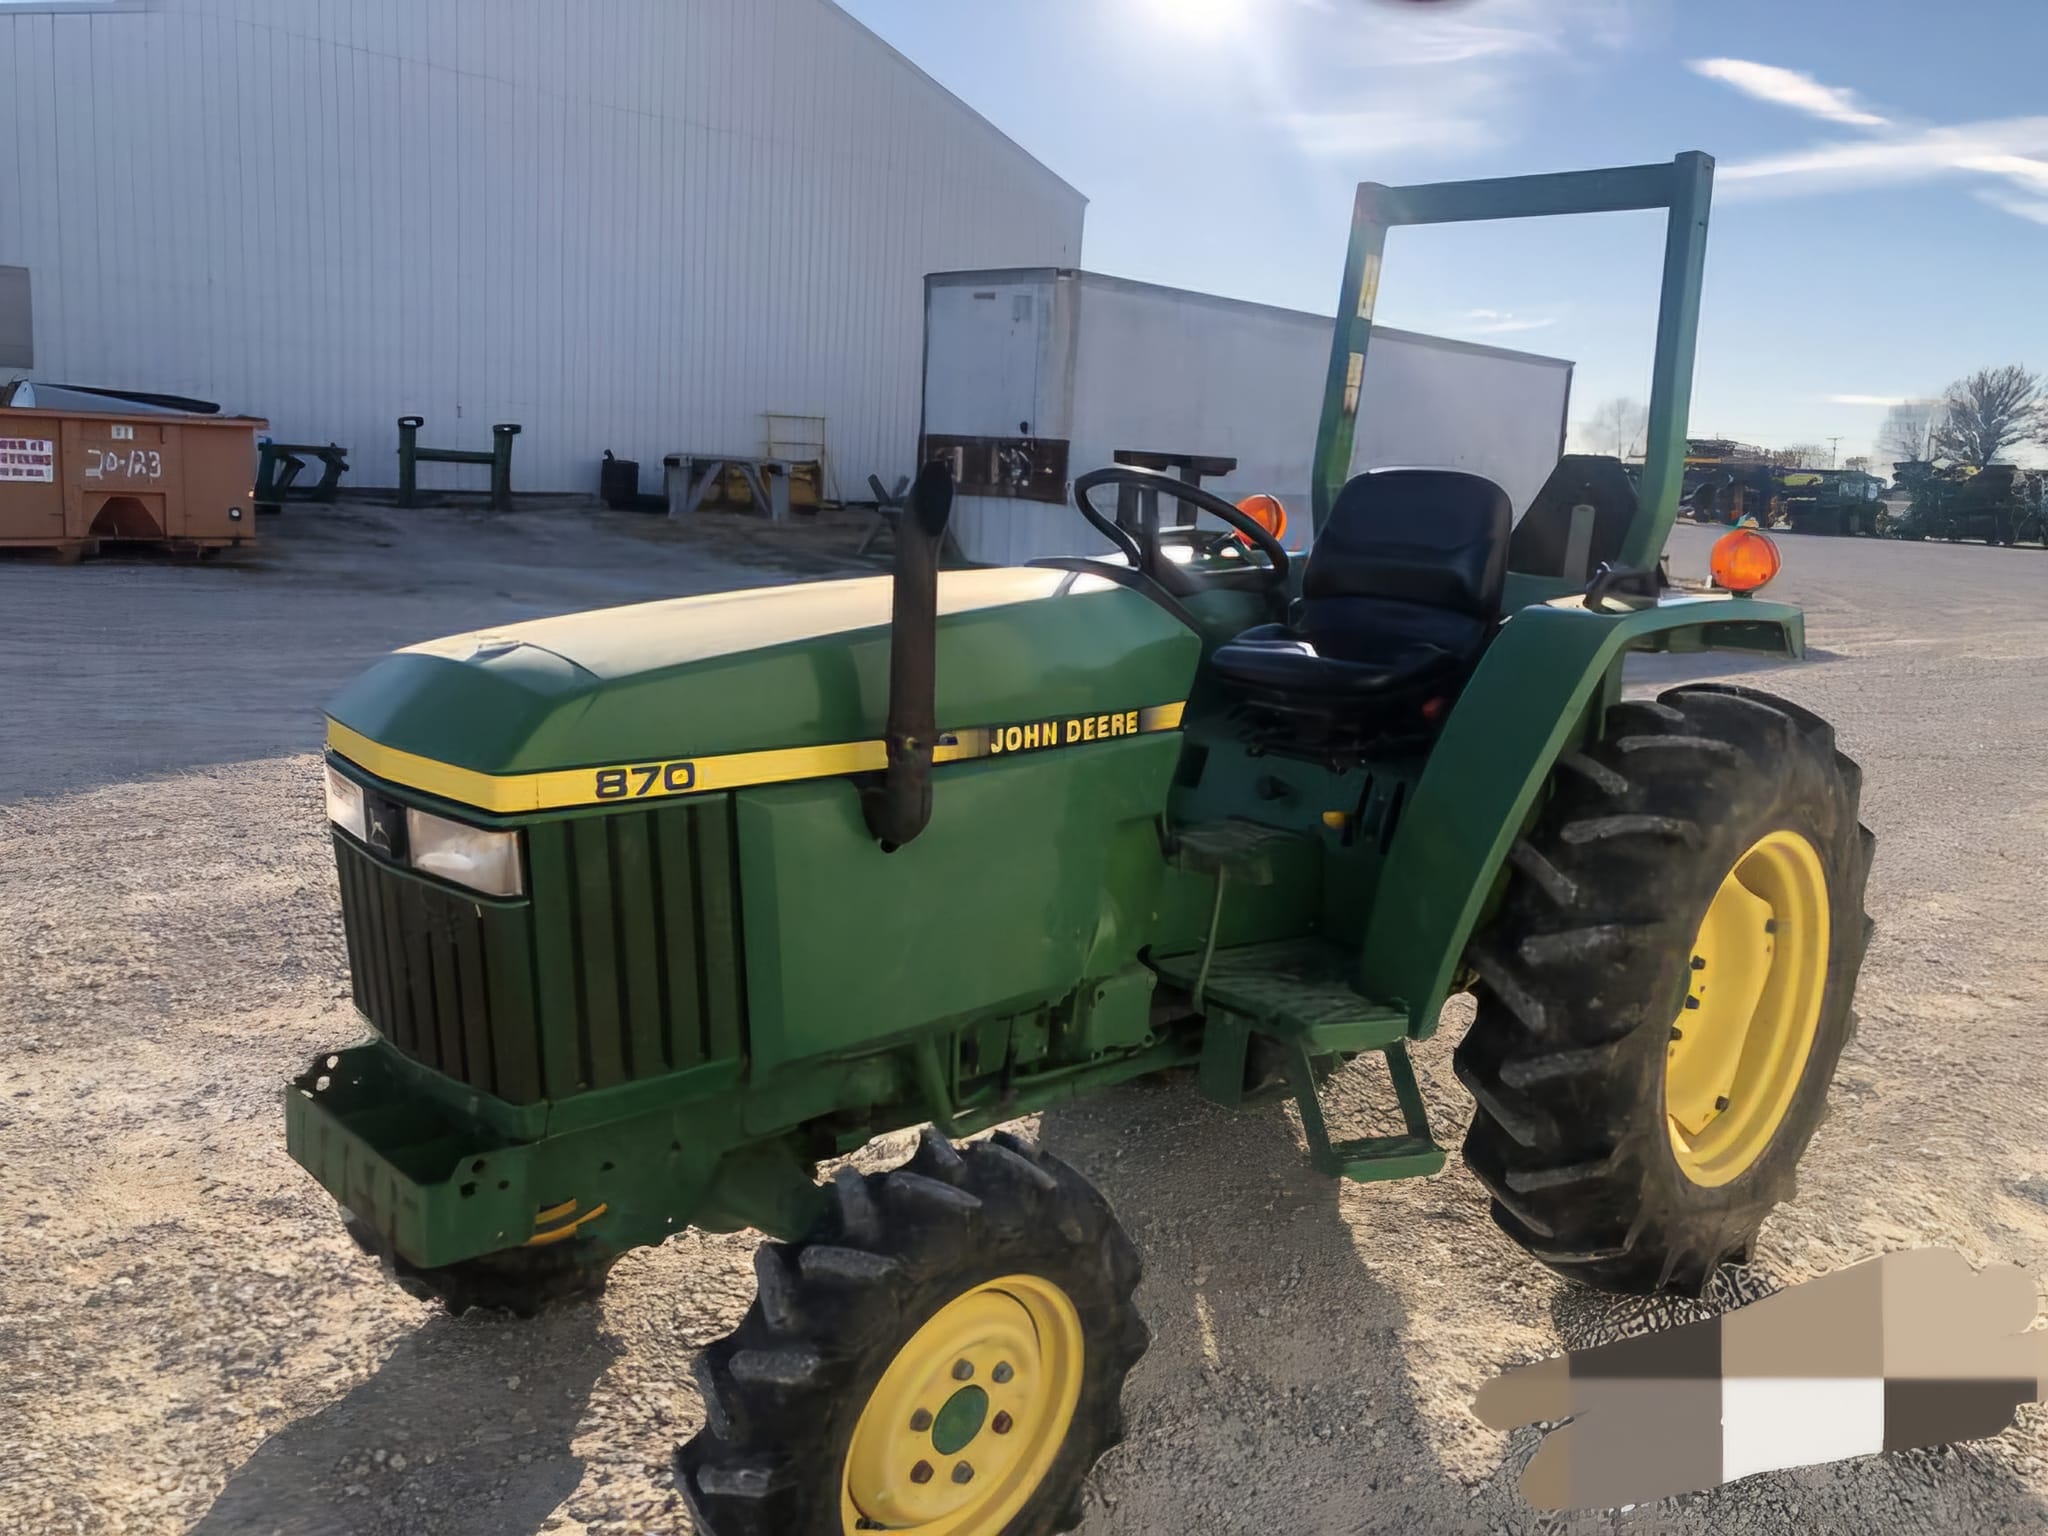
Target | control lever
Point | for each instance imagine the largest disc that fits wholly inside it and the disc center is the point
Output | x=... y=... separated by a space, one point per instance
x=1630 y=586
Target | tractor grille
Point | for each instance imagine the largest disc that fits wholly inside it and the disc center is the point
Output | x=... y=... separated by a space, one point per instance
x=624 y=963
x=445 y=978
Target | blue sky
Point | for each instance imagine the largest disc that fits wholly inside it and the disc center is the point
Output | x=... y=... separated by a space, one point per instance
x=1881 y=198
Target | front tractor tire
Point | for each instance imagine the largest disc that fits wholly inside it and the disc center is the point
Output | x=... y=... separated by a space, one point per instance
x=1665 y=990
x=946 y=1353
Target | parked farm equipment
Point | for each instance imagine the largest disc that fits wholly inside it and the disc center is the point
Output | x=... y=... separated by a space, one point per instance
x=1726 y=483
x=653 y=910
x=1999 y=504
x=1831 y=501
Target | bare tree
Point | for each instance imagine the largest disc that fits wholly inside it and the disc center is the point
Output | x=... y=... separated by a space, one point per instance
x=1615 y=426
x=1903 y=436
x=1987 y=412
x=1798 y=456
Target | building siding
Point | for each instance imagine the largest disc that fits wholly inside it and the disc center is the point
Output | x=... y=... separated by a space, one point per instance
x=625 y=224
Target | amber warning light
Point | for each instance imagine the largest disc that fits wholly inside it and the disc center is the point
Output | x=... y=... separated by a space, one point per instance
x=1744 y=560
x=1267 y=512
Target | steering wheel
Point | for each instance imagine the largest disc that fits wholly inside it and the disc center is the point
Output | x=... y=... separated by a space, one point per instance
x=1254 y=532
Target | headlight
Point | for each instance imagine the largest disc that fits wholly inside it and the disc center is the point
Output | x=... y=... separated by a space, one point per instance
x=345 y=804
x=485 y=861
x=482 y=860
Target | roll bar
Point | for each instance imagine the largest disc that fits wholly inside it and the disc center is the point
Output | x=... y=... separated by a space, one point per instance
x=1685 y=187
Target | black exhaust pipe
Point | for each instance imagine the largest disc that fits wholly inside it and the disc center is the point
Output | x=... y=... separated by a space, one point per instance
x=899 y=807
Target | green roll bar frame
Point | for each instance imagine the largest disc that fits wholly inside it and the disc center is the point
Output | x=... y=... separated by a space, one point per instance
x=1685 y=187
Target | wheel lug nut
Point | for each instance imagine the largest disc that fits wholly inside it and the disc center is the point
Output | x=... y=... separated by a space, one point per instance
x=1001 y=1423
x=1677 y=1033
x=1698 y=964
x=962 y=1473
x=962 y=1370
x=1721 y=1102
x=1003 y=1372
x=920 y=1421
x=1692 y=1002
x=921 y=1473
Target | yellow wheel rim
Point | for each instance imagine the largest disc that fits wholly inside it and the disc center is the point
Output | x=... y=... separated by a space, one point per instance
x=967 y=1419
x=1739 y=1045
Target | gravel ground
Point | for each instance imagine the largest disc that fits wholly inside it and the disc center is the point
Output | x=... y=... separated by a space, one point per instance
x=189 y=1343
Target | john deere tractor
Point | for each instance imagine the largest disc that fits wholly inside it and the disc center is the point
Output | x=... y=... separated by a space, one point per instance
x=654 y=911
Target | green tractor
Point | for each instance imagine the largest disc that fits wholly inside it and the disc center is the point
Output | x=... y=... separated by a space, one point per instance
x=653 y=911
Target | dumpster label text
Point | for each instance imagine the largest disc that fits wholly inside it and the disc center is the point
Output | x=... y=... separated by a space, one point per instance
x=135 y=464
x=27 y=458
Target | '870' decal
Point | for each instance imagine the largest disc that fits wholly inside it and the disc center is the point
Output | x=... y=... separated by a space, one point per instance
x=645 y=779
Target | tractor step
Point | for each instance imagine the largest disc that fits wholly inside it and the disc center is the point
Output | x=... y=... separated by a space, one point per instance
x=1372 y=1158
x=1296 y=989
x=1296 y=995
x=1367 y=1159
x=1245 y=852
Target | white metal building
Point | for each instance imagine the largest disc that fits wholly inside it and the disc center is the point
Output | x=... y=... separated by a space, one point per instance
x=627 y=224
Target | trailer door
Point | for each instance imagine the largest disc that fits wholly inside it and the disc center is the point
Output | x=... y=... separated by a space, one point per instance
x=985 y=346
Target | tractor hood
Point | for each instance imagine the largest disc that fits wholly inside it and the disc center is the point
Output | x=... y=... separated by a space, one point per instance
x=701 y=693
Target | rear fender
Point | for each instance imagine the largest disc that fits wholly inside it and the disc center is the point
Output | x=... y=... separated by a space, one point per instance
x=1534 y=696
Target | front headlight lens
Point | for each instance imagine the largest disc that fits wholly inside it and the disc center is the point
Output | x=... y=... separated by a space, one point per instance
x=482 y=860
x=345 y=804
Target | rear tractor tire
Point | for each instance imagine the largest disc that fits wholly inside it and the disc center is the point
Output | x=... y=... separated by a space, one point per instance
x=946 y=1353
x=1666 y=988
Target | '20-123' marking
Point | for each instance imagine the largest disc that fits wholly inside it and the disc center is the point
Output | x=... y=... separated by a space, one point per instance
x=136 y=464
x=633 y=783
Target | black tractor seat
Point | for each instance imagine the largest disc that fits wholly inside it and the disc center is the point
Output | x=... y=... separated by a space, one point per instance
x=1401 y=595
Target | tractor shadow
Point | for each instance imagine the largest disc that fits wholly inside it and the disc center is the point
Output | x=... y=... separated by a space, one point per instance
x=1281 y=1388
x=475 y=1453
x=1275 y=1395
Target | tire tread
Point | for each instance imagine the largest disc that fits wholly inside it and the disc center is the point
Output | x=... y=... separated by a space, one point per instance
x=833 y=1309
x=1582 y=969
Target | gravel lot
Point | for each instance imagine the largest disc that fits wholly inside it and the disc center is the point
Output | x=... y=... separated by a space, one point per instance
x=188 y=1342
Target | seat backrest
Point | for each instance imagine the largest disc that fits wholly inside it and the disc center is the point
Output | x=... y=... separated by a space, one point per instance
x=1434 y=537
x=1544 y=543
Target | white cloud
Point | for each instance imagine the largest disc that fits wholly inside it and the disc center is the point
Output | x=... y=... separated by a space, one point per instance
x=1788 y=88
x=1366 y=78
x=2019 y=207
x=1498 y=322
x=1427 y=38
x=1361 y=134
x=2005 y=148
x=2031 y=173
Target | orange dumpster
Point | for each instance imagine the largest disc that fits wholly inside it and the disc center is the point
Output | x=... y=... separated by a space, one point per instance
x=78 y=470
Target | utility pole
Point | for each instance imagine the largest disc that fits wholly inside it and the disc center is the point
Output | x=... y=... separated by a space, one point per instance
x=1831 y=451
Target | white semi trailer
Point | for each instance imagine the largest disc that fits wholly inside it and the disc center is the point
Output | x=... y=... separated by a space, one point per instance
x=1035 y=375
